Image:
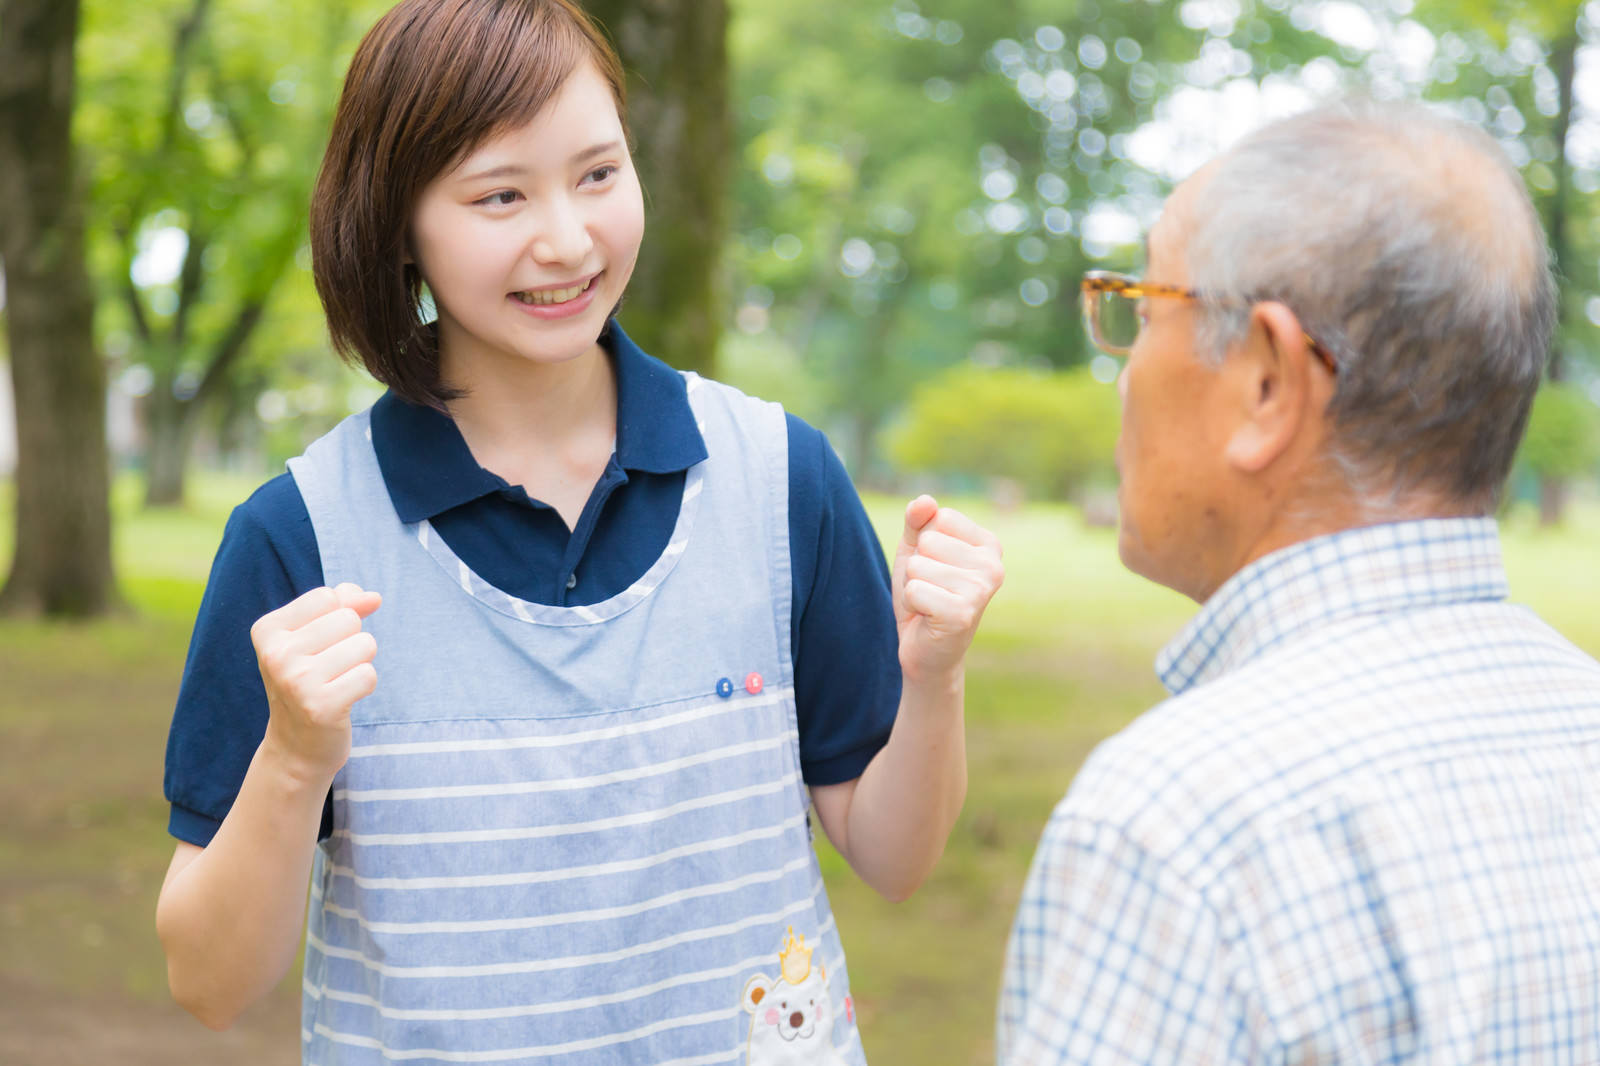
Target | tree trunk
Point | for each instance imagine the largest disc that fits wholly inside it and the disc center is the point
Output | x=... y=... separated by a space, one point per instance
x=675 y=52
x=1552 y=500
x=864 y=375
x=167 y=454
x=172 y=421
x=62 y=565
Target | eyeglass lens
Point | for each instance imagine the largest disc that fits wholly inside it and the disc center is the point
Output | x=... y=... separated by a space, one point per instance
x=1116 y=319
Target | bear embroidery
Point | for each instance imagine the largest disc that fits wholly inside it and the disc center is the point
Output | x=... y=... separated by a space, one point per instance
x=791 y=1021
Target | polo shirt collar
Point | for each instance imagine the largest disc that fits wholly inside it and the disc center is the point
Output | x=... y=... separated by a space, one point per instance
x=1372 y=570
x=428 y=468
x=657 y=432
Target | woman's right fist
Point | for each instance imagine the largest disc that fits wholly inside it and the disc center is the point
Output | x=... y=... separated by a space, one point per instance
x=316 y=662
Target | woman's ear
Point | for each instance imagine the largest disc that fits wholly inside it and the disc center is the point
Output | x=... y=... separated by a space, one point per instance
x=1274 y=385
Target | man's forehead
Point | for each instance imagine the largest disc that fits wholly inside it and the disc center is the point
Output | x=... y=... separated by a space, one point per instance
x=1167 y=232
x=1165 y=238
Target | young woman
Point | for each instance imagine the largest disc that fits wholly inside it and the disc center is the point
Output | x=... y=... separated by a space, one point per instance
x=533 y=668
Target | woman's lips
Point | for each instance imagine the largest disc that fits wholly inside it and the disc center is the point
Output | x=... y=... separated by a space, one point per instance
x=557 y=303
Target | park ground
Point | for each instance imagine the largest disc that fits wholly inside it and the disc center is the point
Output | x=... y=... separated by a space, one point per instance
x=1063 y=661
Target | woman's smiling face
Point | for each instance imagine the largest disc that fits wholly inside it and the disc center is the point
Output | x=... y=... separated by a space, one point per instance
x=528 y=243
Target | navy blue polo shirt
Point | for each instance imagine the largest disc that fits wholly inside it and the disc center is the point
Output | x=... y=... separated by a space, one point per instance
x=847 y=672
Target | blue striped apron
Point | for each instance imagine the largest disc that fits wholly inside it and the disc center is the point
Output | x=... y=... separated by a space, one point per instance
x=558 y=838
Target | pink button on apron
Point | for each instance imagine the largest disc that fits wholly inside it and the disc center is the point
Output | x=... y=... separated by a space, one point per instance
x=752 y=684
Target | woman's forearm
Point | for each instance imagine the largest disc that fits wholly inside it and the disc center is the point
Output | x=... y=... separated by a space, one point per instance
x=230 y=916
x=899 y=813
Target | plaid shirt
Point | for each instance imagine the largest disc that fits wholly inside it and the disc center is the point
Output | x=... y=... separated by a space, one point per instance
x=1364 y=829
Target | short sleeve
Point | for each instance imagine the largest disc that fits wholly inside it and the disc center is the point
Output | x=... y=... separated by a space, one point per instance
x=845 y=645
x=268 y=556
x=1114 y=959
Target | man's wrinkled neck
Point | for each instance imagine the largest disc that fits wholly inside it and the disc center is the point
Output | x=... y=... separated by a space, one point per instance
x=1320 y=511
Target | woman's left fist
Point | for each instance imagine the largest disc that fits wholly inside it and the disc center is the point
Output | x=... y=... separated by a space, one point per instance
x=946 y=569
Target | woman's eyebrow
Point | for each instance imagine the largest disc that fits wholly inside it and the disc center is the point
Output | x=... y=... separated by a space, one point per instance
x=597 y=150
x=504 y=170
x=516 y=170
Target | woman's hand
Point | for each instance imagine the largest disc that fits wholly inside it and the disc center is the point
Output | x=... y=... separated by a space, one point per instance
x=316 y=662
x=946 y=569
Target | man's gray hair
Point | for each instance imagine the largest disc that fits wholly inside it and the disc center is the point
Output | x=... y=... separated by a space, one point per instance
x=1406 y=244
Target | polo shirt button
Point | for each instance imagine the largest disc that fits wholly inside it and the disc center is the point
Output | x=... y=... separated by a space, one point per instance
x=724 y=688
x=572 y=581
x=752 y=684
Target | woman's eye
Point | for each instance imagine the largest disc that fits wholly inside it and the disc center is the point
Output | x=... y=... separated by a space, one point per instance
x=502 y=198
x=599 y=174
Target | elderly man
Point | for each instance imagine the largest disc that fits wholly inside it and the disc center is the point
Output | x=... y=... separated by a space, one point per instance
x=1366 y=826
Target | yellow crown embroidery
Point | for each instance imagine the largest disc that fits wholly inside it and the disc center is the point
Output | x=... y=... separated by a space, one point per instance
x=795 y=958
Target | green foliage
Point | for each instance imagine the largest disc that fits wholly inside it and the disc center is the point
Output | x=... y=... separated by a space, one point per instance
x=763 y=366
x=203 y=123
x=1052 y=432
x=921 y=177
x=1563 y=438
x=921 y=180
x=1500 y=21
x=915 y=182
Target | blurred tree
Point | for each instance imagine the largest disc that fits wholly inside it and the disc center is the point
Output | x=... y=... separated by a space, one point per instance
x=62 y=564
x=1054 y=432
x=1563 y=440
x=675 y=52
x=1525 y=63
x=205 y=124
x=925 y=183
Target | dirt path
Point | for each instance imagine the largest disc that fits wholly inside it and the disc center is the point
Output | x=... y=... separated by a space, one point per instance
x=39 y=1027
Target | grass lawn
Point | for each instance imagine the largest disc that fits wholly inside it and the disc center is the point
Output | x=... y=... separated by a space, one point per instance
x=1063 y=660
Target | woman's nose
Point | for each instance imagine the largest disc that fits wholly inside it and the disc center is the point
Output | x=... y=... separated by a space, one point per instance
x=563 y=237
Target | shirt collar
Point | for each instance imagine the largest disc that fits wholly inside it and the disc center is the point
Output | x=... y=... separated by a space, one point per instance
x=657 y=432
x=429 y=469
x=1374 y=569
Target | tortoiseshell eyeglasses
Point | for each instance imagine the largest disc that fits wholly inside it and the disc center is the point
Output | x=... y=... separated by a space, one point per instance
x=1111 y=312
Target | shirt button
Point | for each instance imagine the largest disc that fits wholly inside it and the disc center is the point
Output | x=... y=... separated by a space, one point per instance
x=724 y=688
x=572 y=581
x=752 y=684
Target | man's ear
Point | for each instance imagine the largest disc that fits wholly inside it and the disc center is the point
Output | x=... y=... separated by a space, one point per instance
x=1274 y=373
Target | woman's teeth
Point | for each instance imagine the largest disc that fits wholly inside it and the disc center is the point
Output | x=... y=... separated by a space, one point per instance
x=553 y=296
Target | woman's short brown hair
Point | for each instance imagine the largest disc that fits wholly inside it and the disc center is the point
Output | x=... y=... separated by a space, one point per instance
x=431 y=81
